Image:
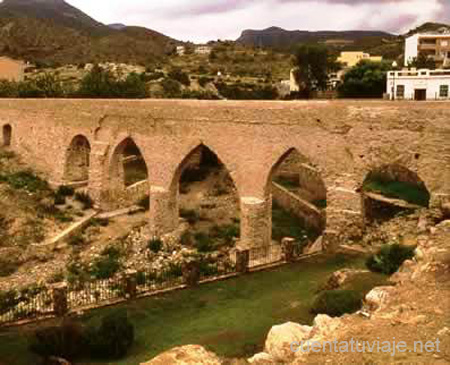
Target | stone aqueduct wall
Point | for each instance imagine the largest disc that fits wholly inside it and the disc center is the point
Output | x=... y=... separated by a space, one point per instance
x=344 y=140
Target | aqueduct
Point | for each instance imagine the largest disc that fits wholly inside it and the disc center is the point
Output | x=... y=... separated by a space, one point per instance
x=87 y=142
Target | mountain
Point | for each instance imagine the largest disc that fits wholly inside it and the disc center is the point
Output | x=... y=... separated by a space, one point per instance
x=117 y=26
x=276 y=37
x=53 y=31
x=430 y=27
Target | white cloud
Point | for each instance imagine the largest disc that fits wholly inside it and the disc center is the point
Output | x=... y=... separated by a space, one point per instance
x=203 y=20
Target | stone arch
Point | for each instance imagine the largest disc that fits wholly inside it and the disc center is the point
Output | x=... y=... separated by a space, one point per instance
x=391 y=188
x=298 y=195
x=77 y=160
x=7 y=135
x=128 y=173
x=217 y=203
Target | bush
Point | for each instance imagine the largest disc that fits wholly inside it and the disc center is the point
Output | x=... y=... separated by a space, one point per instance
x=65 y=341
x=190 y=215
x=172 y=88
x=85 y=199
x=155 y=245
x=59 y=199
x=113 y=338
x=65 y=191
x=105 y=266
x=25 y=180
x=389 y=258
x=337 y=302
x=76 y=240
x=203 y=242
x=180 y=76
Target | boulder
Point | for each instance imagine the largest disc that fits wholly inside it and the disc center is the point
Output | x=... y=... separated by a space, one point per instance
x=262 y=358
x=185 y=355
x=378 y=296
x=325 y=327
x=280 y=337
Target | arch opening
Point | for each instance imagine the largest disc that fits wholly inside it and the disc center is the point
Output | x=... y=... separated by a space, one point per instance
x=78 y=160
x=391 y=190
x=128 y=174
x=299 y=199
x=7 y=135
x=208 y=202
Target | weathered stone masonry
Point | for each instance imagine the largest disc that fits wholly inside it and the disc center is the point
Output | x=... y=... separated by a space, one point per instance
x=344 y=140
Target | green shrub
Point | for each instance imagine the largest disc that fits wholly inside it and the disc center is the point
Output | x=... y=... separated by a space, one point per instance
x=337 y=302
x=85 y=199
x=76 y=240
x=59 y=199
x=203 y=242
x=65 y=191
x=105 y=266
x=172 y=88
x=26 y=180
x=186 y=239
x=8 y=266
x=180 y=76
x=389 y=259
x=65 y=341
x=155 y=245
x=113 y=338
x=190 y=215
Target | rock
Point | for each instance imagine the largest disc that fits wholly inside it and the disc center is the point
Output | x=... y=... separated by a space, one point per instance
x=378 y=296
x=262 y=358
x=422 y=224
x=280 y=337
x=407 y=266
x=185 y=355
x=419 y=254
x=340 y=277
x=420 y=319
x=316 y=246
x=325 y=327
x=443 y=332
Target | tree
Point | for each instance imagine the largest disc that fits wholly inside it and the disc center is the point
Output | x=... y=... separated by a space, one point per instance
x=423 y=61
x=366 y=80
x=98 y=83
x=312 y=64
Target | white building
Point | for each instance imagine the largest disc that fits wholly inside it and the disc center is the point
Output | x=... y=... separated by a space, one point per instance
x=418 y=85
x=203 y=49
x=434 y=46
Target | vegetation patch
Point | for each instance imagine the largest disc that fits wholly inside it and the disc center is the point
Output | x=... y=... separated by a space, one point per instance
x=335 y=303
x=412 y=193
x=389 y=259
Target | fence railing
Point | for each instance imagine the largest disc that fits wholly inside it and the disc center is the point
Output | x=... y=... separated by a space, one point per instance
x=58 y=300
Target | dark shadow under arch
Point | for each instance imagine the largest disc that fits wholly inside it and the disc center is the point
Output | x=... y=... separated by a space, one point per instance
x=7 y=135
x=298 y=198
x=78 y=160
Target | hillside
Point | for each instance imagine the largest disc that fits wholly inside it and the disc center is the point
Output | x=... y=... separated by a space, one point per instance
x=52 y=31
x=280 y=38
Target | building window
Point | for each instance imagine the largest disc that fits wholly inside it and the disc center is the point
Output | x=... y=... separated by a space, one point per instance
x=443 y=91
x=400 y=94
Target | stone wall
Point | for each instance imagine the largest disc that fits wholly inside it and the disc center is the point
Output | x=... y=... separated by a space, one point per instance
x=343 y=140
x=312 y=216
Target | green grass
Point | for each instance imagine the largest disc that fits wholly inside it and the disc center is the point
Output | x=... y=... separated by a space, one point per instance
x=411 y=193
x=285 y=224
x=231 y=318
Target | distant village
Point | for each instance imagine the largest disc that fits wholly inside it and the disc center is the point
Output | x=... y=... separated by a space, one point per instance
x=404 y=82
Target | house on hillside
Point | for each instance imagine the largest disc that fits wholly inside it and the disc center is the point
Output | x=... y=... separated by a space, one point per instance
x=434 y=46
x=351 y=59
x=12 y=70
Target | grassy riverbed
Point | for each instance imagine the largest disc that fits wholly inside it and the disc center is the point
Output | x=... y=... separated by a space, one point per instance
x=231 y=318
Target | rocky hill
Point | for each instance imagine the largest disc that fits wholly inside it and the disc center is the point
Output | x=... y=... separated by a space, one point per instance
x=53 y=31
x=280 y=38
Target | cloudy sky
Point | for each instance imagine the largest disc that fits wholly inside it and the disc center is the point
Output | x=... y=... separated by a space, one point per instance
x=203 y=20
